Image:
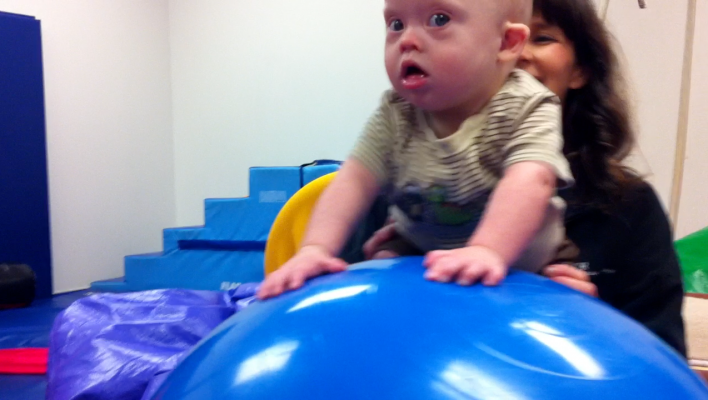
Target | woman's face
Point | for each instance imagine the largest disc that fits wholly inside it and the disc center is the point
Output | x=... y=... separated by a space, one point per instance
x=550 y=57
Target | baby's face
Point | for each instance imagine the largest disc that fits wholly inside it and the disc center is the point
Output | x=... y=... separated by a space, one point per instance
x=442 y=53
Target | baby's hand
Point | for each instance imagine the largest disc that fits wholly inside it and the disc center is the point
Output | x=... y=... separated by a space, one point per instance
x=466 y=265
x=309 y=262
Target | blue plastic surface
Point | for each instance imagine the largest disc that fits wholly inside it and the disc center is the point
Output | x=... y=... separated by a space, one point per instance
x=383 y=332
x=112 y=346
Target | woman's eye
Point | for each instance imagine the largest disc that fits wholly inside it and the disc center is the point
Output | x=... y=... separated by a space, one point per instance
x=439 y=20
x=542 y=39
x=395 y=25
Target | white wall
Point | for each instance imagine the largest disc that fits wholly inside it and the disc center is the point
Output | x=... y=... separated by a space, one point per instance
x=693 y=211
x=652 y=42
x=109 y=139
x=267 y=83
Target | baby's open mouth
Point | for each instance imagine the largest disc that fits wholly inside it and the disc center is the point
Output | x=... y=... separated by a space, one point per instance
x=413 y=71
x=413 y=77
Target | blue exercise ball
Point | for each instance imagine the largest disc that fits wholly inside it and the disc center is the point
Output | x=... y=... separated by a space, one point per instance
x=381 y=331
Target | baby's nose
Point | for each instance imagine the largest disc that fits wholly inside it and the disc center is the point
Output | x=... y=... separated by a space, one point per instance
x=410 y=40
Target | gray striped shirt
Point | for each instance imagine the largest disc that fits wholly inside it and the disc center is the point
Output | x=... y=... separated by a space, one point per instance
x=438 y=188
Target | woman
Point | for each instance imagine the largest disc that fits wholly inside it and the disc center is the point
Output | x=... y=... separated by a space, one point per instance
x=626 y=255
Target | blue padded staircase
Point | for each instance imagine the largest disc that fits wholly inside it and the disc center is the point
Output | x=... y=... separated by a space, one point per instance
x=228 y=249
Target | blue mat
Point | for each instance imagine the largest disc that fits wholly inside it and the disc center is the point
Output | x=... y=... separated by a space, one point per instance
x=29 y=327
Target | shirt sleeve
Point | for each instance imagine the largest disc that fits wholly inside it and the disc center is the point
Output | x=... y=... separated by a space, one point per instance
x=375 y=145
x=537 y=137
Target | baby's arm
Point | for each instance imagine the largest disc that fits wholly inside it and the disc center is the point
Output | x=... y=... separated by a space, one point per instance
x=514 y=213
x=338 y=209
x=516 y=209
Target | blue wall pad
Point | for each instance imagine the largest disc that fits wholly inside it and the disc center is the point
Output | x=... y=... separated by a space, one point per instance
x=228 y=249
x=24 y=199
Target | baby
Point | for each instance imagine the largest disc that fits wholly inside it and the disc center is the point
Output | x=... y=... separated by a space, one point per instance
x=468 y=149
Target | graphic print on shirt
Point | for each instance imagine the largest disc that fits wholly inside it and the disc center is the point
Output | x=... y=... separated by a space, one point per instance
x=431 y=206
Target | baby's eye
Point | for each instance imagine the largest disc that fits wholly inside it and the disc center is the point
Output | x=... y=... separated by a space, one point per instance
x=395 y=25
x=439 y=20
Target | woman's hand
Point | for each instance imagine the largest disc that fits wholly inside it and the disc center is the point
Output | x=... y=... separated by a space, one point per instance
x=572 y=277
x=309 y=262
x=383 y=235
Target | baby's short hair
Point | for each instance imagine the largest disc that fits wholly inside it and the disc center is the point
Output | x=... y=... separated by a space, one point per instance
x=516 y=11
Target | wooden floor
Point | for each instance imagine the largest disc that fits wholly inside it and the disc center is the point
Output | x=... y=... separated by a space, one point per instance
x=702 y=371
x=695 y=314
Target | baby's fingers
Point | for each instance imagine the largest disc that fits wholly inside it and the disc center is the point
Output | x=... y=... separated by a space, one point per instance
x=493 y=276
x=444 y=269
x=296 y=280
x=433 y=257
x=272 y=286
x=335 y=265
x=297 y=276
x=469 y=275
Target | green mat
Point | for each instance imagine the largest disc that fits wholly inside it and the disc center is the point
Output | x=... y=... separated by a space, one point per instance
x=693 y=253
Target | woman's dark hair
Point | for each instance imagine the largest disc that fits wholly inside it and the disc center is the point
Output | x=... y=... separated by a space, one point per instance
x=597 y=128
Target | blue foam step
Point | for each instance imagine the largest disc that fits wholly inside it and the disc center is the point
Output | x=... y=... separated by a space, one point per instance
x=228 y=249
x=188 y=269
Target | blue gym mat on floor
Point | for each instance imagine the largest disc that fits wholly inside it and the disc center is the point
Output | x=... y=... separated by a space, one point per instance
x=29 y=327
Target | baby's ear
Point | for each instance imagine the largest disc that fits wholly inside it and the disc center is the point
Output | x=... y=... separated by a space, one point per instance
x=515 y=37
